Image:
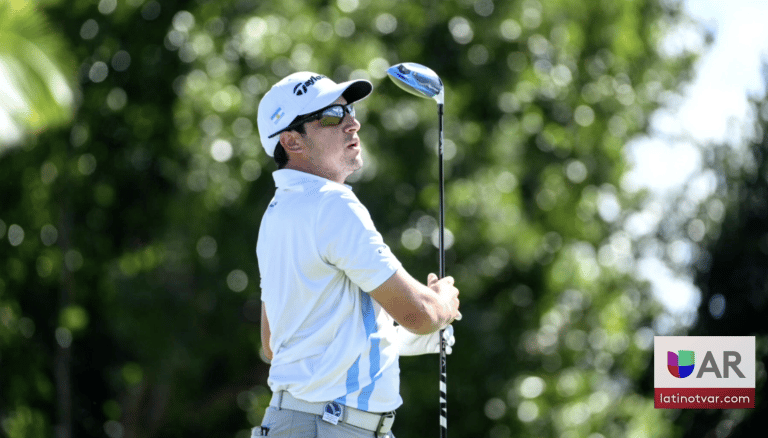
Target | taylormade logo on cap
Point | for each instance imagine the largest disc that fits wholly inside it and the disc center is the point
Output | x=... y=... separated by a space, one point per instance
x=299 y=94
x=300 y=89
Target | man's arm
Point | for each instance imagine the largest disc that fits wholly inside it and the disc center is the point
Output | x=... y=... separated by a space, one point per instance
x=418 y=308
x=265 y=333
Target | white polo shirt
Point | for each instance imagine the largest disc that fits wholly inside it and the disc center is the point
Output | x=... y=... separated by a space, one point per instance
x=319 y=255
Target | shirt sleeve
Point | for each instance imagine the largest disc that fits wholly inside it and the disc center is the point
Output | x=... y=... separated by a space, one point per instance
x=348 y=240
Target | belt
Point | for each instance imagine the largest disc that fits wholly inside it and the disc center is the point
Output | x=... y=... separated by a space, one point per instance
x=333 y=412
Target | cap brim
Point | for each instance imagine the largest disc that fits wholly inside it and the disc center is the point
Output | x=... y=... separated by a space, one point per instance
x=357 y=90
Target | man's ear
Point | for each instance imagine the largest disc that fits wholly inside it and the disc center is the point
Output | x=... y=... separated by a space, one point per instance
x=291 y=141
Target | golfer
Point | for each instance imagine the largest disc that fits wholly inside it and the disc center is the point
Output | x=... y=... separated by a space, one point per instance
x=331 y=289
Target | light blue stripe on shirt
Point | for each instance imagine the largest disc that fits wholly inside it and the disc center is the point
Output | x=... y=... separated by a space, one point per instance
x=353 y=374
x=353 y=381
x=369 y=320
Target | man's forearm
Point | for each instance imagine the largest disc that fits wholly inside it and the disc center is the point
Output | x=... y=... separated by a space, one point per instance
x=418 y=308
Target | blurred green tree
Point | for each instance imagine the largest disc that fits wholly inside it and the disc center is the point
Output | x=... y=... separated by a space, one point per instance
x=731 y=274
x=541 y=99
x=36 y=93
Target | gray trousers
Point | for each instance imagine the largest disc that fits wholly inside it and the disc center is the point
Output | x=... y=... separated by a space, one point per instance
x=285 y=423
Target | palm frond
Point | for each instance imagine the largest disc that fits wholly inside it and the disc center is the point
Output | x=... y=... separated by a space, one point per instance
x=35 y=74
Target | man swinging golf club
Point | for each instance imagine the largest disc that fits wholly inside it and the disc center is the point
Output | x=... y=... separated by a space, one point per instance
x=331 y=289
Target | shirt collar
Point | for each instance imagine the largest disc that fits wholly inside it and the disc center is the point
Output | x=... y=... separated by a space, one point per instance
x=296 y=180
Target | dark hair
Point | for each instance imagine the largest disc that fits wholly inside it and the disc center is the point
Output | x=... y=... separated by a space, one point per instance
x=281 y=157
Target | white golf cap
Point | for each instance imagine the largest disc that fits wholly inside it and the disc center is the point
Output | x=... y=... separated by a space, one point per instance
x=299 y=94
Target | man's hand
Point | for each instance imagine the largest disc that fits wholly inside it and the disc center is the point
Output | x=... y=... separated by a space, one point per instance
x=445 y=287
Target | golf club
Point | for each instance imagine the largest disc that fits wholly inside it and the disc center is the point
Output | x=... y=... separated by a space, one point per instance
x=423 y=82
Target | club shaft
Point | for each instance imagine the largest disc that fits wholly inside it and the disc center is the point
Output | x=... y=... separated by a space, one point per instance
x=441 y=261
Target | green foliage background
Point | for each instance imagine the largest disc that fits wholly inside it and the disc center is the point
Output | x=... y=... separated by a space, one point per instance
x=129 y=290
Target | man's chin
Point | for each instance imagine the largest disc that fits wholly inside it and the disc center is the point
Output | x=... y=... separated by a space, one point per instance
x=355 y=167
x=357 y=163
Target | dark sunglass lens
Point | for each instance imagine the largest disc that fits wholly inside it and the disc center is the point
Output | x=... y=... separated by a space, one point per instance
x=331 y=120
x=334 y=115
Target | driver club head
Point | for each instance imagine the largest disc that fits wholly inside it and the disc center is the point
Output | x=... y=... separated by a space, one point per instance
x=418 y=80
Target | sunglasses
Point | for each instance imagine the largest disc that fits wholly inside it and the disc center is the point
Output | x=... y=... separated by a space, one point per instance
x=329 y=116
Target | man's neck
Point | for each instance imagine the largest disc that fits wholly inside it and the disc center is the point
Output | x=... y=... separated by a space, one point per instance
x=314 y=170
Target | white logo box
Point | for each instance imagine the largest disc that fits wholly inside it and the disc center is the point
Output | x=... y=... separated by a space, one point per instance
x=701 y=345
